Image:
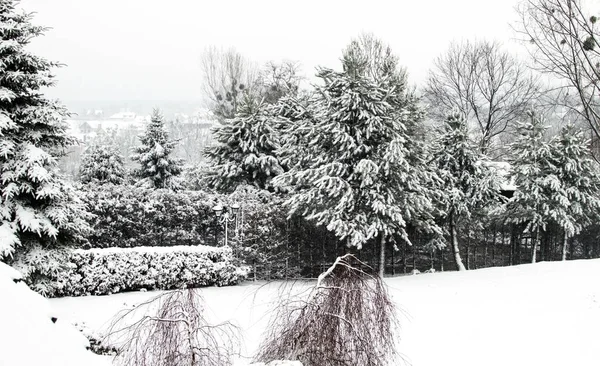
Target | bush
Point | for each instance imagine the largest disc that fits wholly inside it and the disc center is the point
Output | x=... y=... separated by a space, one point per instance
x=106 y=271
x=127 y=216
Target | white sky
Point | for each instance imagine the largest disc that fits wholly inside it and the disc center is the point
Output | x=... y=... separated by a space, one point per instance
x=150 y=49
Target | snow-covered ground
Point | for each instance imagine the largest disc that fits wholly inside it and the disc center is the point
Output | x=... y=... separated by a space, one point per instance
x=543 y=314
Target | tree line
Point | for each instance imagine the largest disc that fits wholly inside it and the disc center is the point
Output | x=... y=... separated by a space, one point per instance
x=361 y=153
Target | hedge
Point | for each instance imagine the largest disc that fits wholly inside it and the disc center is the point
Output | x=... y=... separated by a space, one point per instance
x=106 y=271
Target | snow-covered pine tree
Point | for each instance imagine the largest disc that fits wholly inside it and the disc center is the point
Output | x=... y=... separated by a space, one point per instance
x=577 y=203
x=101 y=162
x=36 y=203
x=536 y=185
x=245 y=149
x=157 y=168
x=468 y=183
x=361 y=174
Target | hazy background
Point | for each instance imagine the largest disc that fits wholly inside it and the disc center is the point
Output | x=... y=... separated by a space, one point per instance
x=147 y=50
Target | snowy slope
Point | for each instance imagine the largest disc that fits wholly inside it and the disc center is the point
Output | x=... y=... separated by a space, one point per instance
x=543 y=314
x=28 y=336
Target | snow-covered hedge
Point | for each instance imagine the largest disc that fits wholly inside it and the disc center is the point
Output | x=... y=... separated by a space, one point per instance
x=105 y=271
x=31 y=335
x=127 y=216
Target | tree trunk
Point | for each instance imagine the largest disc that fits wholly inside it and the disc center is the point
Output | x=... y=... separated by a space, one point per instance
x=454 y=243
x=564 y=247
x=404 y=244
x=534 y=243
x=381 y=255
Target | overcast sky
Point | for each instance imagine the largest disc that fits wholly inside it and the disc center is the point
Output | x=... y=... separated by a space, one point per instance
x=150 y=49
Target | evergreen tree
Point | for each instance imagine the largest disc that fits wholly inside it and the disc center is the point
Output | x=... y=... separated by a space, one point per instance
x=158 y=169
x=36 y=203
x=576 y=204
x=532 y=203
x=245 y=149
x=102 y=163
x=468 y=183
x=362 y=174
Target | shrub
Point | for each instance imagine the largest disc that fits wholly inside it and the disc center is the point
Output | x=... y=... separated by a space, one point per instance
x=127 y=216
x=107 y=271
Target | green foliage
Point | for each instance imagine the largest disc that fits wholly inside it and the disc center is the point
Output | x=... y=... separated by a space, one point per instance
x=468 y=183
x=157 y=168
x=361 y=173
x=576 y=202
x=102 y=163
x=128 y=216
x=36 y=204
x=245 y=149
x=531 y=164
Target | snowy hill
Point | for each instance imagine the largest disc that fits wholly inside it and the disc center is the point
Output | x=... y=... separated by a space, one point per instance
x=542 y=314
x=31 y=334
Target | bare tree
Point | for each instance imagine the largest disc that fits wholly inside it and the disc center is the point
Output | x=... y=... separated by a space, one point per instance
x=171 y=329
x=227 y=75
x=490 y=87
x=279 y=80
x=563 y=42
x=348 y=319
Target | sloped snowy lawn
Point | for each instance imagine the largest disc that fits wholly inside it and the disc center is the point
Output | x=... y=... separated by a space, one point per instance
x=29 y=337
x=542 y=314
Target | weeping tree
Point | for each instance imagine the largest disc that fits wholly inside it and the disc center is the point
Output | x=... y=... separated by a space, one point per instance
x=469 y=184
x=348 y=319
x=172 y=329
x=362 y=173
x=37 y=205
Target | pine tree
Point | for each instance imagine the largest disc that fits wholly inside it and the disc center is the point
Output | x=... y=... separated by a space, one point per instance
x=468 y=183
x=577 y=203
x=158 y=169
x=102 y=163
x=361 y=174
x=36 y=203
x=536 y=184
x=245 y=149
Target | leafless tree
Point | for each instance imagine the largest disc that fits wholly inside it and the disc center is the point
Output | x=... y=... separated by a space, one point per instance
x=280 y=79
x=348 y=319
x=171 y=329
x=489 y=86
x=227 y=76
x=563 y=42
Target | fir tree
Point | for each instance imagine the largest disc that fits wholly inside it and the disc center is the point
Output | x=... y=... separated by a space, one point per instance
x=536 y=184
x=158 y=169
x=36 y=204
x=576 y=204
x=362 y=174
x=468 y=183
x=245 y=149
x=102 y=163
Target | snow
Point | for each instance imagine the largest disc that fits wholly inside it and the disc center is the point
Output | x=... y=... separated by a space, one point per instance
x=176 y=248
x=29 y=337
x=542 y=314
